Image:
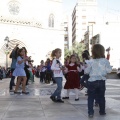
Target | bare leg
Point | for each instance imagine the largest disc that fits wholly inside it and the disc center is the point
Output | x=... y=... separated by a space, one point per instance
x=24 y=84
x=18 y=84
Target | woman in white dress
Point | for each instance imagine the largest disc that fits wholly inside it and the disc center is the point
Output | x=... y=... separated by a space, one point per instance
x=20 y=72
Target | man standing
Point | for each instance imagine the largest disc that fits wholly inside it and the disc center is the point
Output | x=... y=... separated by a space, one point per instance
x=13 y=56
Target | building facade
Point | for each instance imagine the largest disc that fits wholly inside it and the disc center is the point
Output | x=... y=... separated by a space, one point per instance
x=83 y=14
x=66 y=33
x=106 y=33
x=37 y=24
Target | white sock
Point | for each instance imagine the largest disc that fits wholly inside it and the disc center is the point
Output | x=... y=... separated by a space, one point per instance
x=76 y=93
x=68 y=92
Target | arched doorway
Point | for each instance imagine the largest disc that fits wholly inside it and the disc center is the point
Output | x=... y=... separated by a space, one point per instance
x=6 y=49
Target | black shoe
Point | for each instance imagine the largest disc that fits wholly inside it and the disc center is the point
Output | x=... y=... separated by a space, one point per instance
x=96 y=104
x=77 y=99
x=17 y=92
x=14 y=84
x=26 y=93
x=65 y=98
x=11 y=90
x=90 y=115
x=103 y=113
x=60 y=101
x=53 y=98
x=27 y=84
x=81 y=87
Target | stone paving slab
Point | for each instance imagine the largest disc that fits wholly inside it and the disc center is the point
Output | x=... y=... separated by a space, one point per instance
x=39 y=118
x=24 y=114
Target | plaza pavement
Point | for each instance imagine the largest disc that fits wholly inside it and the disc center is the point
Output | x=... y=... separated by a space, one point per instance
x=38 y=106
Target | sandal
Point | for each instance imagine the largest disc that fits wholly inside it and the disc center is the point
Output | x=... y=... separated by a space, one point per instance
x=65 y=98
x=17 y=92
x=26 y=93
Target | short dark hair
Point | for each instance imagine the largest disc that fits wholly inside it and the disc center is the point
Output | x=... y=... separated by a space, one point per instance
x=98 y=51
x=86 y=51
x=85 y=55
x=42 y=61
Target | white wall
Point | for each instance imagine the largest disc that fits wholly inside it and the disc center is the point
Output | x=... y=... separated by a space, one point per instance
x=39 y=41
x=110 y=37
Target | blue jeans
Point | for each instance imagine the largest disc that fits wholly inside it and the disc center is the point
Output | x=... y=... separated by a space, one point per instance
x=96 y=89
x=57 y=92
x=12 y=80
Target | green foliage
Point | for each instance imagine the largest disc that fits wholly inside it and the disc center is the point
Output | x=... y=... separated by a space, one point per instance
x=77 y=48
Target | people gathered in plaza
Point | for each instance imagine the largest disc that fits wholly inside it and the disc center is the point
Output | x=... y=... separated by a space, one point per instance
x=89 y=73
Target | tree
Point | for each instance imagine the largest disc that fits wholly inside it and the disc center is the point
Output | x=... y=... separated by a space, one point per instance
x=67 y=52
x=77 y=48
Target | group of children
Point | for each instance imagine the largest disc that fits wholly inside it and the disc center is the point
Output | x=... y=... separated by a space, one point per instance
x=44 y=72
x=94 y=71
x=95 y=68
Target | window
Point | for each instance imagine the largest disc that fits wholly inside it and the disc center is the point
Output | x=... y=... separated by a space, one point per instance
x=65 y=42
x=84 y=10
x=83 y=29
x=66 y=38
x=14 y=7
x=51 y=20
x=83 y=17
x=84 y=23
x=66 y=29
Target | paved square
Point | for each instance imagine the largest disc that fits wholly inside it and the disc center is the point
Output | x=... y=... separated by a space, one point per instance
x=38 y=106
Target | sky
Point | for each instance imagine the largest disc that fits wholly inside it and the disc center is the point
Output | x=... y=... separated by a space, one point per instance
x=109 y=6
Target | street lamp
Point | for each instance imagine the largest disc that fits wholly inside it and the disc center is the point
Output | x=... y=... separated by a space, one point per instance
x=7 y=49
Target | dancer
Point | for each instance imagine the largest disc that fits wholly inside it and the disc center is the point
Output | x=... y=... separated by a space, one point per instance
x=58 y=75
x=26 y=67
x=42 y=71
x=73 y=79
x=20 y=72
x=97 y=68
x=48 y=71
x=13 y=56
